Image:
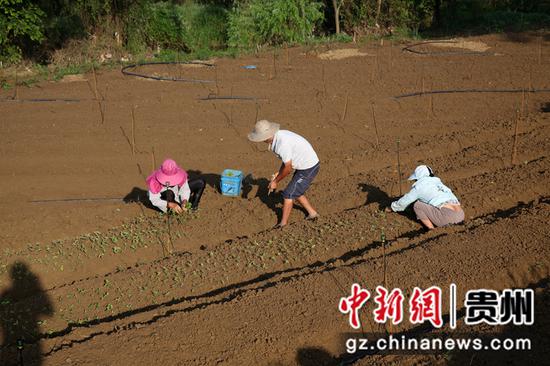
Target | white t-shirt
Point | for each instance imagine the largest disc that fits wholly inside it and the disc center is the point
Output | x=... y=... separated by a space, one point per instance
x=289 y=146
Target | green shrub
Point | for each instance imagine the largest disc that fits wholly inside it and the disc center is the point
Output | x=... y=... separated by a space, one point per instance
x=189 y=27
x=20 y=22
x=256 y=22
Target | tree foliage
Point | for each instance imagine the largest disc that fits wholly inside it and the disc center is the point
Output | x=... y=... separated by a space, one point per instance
x=38 y=27
x=20 y=22
x=258 y=22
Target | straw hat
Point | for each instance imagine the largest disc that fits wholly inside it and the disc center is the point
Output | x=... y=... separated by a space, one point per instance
x=263 y=130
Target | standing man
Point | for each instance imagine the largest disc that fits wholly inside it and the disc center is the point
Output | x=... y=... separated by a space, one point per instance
x=296 y=153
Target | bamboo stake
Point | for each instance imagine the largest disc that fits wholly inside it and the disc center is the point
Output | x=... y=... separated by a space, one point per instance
x=133 y=132
x=375 y=68
x=430 y=111
x=391 y=53
x=96 y=93
x=274 y=69
x=95 y=83
x=323 y=78
x=540 y=50
x=16 y=90
x=383 y=239
x=399 y=169
x=514 y=148
x=422 y=82
x=217 y=85
x=375 y=127
x=344 y=114
x=287 y=56
x=522 y=110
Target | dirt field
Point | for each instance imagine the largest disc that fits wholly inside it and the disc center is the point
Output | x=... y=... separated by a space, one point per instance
x=86 y=272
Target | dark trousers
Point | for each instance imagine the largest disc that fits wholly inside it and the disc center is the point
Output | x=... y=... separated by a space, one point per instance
x=197 y=188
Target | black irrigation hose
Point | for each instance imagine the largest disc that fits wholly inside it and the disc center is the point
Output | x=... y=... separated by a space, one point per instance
x=77 y=200
x=125 y=71
x=213 y=97
x=410 y=49
x=456 y=91
x=37 y=100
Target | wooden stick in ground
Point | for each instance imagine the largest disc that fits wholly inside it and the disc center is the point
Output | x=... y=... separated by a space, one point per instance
x=399 y=169
x=100 y=106
x=383 y=239
x=133 y=132
x=217 y=85
x=323 y=78
x=274 y=70
x=540 y=50
x=430 y=110
x=375 y=127
x=97 y=98
x=95 y=83
x=16 y=90
x=287 y=55
x=375 y=72
x=391 y=53
x=514 y=148
x=345 y=112
x=522 y=110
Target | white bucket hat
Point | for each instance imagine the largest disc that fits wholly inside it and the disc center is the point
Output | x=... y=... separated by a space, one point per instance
x=263 y=130
x=421 y=171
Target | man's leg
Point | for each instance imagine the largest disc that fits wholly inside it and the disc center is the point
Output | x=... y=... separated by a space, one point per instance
x=305 y=204
x=287 y=207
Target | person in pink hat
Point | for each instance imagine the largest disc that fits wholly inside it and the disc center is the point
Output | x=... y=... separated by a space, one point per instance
x=169 y=188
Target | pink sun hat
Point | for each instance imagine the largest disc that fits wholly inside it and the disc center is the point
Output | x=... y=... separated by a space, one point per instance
x=169 y=174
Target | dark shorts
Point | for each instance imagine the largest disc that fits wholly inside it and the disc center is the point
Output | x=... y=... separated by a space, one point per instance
x=300 y=182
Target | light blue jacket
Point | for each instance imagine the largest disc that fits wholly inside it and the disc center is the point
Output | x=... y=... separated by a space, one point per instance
x=429 y=190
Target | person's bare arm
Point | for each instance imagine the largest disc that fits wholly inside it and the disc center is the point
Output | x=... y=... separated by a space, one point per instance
x=284 y=170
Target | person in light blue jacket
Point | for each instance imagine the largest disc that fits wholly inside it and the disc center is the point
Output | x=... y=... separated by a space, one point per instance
x=435 y=204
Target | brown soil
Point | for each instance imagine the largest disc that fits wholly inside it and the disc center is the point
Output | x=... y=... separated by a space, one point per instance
x=114 y=283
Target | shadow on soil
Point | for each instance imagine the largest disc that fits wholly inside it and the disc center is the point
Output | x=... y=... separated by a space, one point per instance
x=140 y=195
x=536 y=333
x=376 y=195
x=22 y=307
x=232 y=291
x=273 y=201
x=314 y=356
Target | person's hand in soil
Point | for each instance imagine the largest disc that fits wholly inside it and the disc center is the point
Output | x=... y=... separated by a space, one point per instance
x=185 y=206
x=175 y=207
x=272 y=186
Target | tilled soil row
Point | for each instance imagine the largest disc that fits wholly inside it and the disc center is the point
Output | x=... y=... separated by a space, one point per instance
x=275 y=322
x=149 y=237
x=243 y=262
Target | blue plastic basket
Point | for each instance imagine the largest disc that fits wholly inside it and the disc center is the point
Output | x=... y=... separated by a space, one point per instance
x=231 y=182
